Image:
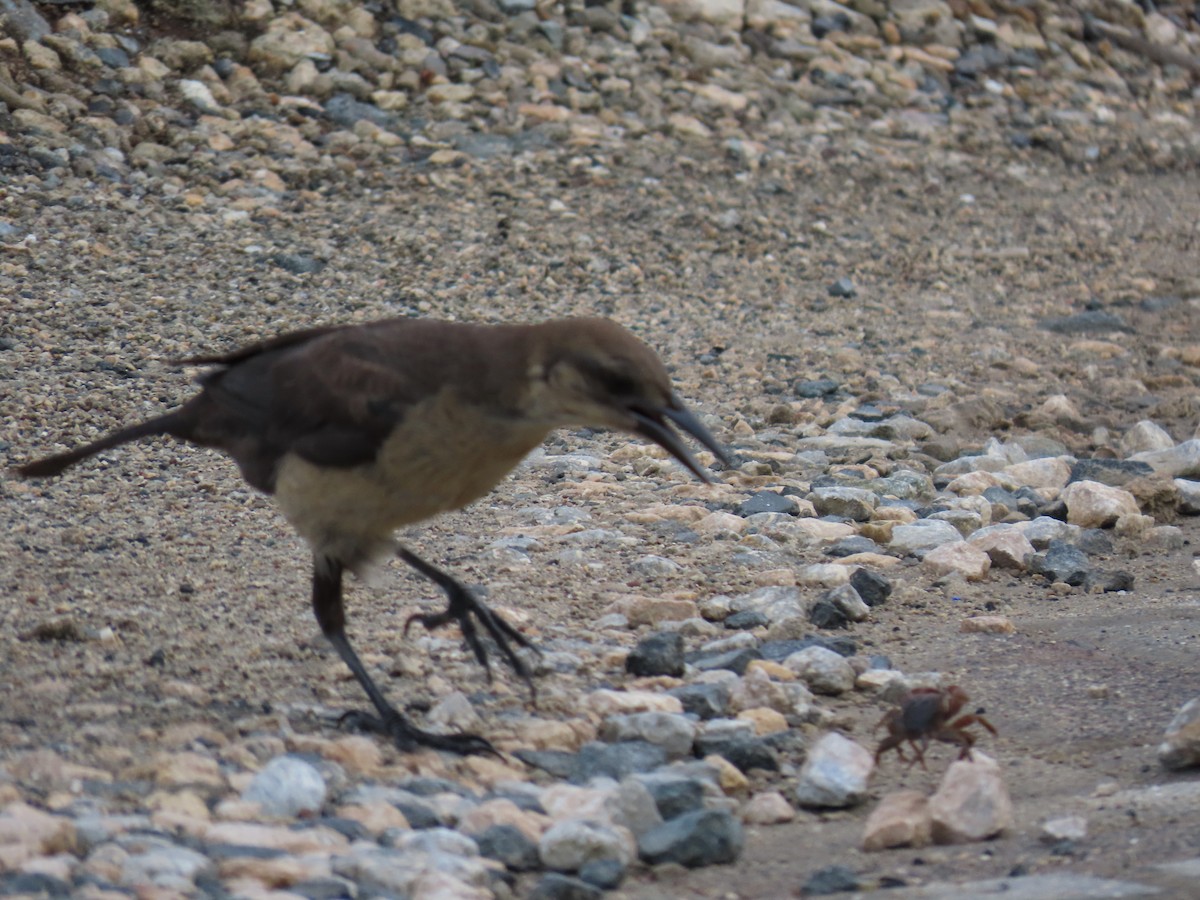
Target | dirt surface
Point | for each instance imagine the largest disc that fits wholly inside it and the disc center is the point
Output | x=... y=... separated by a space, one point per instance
x=150 y=588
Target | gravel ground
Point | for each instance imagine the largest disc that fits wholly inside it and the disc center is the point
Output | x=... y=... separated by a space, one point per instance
x=1041 y=293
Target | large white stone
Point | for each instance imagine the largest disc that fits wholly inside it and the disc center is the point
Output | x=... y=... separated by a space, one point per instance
x=972 y=802
x=1091 y=504
x=835 y=773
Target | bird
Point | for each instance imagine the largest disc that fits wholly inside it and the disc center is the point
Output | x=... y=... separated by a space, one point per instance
x=357 y=430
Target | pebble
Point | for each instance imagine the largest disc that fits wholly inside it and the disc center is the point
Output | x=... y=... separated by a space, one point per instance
x=1066 y=828
x=835 y=773
x=971 y=803
x=1094 y=505
x=1061 y=563
x=901 y=819
x=657 y=654
x=960 y=558
x=569 y=845
x=701 y=837
x=920 y=537
x=767 y=808
x=287 y=787
x=872 y=587
x=823 y=670
x=1180 y=747
x=674 y=733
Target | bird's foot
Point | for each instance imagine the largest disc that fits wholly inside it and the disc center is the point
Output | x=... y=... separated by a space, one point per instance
x=466 y=609
x=408 y=737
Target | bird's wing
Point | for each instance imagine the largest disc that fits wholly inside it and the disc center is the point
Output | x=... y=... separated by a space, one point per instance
x=329 y=396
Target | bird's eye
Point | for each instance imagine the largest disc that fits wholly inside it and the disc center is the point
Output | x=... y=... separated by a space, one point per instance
x=613 y=382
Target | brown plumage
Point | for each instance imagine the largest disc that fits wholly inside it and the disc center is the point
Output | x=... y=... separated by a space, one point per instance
x=359 y=430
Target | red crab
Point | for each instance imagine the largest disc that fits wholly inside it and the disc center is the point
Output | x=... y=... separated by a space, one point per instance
x=927 y=714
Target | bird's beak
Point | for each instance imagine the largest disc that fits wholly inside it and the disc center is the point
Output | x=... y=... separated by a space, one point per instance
x=654 y=425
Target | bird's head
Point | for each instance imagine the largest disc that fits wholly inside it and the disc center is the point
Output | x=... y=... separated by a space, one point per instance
x=593 y=372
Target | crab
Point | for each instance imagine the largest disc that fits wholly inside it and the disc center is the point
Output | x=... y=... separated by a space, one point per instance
x=926 y=714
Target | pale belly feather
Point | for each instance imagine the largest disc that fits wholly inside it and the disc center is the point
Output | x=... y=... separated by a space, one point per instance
x=433 y=463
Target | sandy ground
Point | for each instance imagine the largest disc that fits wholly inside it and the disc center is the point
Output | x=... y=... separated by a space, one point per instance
x=955 y=258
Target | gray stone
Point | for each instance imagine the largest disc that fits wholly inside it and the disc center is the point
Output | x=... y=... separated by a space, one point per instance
x=776 y=602
x=1059 y=886
x=557 y=886
x=1089 y=321
x=1043 y=530
x=856 y=504
x=744 y=752
x=733 y=660
x=615 y=760
x=673 y=732
x=851 y=545
x=830 y=880
x=872 y=587
x=657 y=654
x=918 y=538
x=170 y=867
x=655 y=566
x=846 y=599
x=509 y=845
x=700 y=838
x=705 y=700
x=1061 y=562
x=768 y=502
x=1114 y=472
x=673 y=794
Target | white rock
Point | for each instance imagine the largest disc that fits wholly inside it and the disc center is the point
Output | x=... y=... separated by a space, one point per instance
x=1005 y=546
x=1048 y=472
x=1181 y=461
x=1189 y=496
x=972 y=802
x=605 y=702
x=962 y=558
x=1181 y=744
x=767 y=808
x=1066 y=828
x=726 y=13
x=824 y=671
x=1042 y=530
x=567 y=846
x=1091 y=504
x=1145 y=437
x=287 y=786
x=922 y=536
x=900 y=820
x=454 y=712
x=835 y=773
x=823 y=575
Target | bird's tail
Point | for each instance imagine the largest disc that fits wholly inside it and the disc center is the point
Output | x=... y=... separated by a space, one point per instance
x=48 y=467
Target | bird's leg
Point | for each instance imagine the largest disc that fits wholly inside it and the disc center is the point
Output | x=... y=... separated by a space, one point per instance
x=464 y=605
x=331 y=616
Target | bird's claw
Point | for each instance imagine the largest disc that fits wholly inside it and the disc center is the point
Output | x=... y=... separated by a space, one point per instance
x=465 y=609
x=408 y=737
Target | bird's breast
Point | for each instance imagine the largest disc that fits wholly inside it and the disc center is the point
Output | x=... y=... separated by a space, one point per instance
x=440 y=457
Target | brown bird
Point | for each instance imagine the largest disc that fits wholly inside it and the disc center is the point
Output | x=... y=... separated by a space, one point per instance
x=359 y=430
